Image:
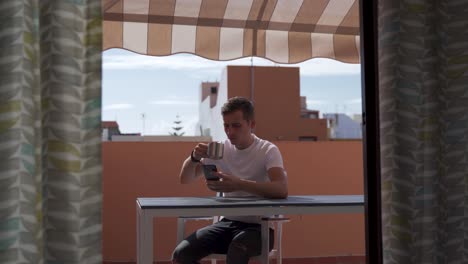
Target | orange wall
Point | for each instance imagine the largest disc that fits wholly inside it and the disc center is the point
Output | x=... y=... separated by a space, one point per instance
x=319 y=125
x=145 y=169
x=277 y=102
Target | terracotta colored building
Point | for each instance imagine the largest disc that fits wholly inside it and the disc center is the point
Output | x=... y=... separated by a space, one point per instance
x=109 y=128
x=275 y=91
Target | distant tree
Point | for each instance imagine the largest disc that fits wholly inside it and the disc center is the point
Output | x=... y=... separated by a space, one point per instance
x=177 y=127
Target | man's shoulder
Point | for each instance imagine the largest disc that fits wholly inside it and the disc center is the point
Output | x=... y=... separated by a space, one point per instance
x=264 y=144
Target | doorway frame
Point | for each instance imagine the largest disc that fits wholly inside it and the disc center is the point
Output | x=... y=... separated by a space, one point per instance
x=371 y=136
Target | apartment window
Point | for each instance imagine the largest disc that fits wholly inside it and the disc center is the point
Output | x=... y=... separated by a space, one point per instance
x=214 y=89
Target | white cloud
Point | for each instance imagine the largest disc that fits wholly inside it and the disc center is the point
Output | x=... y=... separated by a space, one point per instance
x=355 y=101
x=320 y=66
x=117 y=106
x=172 y=102
x=131 y=61
x=120 y=60
x=316 y=102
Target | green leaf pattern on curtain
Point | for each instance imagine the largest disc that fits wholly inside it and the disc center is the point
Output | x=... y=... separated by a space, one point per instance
x=50 y=131
x=423 y=51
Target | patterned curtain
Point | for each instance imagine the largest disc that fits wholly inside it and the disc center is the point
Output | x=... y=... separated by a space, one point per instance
x=423 y=61
x=50 y=114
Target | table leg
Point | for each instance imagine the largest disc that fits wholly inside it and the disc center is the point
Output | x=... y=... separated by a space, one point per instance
x=148 y=239
x=140 y=234
x=265 y=242
x=144 y=237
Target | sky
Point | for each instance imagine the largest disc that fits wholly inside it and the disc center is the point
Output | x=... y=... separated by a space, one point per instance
x=145 y=94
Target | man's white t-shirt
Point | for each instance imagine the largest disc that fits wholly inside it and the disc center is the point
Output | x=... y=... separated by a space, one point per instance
x=251 y=163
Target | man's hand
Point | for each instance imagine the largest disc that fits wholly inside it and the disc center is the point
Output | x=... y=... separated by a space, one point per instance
x=191 y=169
x=228 y=183
x=276 y=188
x=200 y=151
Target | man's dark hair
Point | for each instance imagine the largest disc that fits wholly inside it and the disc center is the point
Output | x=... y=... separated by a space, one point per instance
x=239 y=103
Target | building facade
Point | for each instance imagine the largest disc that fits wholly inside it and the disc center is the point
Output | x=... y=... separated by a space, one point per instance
x=342 y=126
x=275 y=92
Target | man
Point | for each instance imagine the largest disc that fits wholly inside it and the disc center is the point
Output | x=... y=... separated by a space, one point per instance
x=250 y=167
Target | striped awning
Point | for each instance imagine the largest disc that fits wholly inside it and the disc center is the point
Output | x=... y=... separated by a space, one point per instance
x=284 y=31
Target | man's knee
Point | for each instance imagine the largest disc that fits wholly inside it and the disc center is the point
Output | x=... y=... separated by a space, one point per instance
x=176 y=255
x=239 y=249
x=238 y=253
x=181 y=254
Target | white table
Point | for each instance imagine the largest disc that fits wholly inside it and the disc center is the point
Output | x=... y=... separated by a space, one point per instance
x=149 y=208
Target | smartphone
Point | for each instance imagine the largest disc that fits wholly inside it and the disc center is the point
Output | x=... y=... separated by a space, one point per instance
x=208 y=172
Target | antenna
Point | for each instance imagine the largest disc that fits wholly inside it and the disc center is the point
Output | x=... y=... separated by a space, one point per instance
x=143 y=117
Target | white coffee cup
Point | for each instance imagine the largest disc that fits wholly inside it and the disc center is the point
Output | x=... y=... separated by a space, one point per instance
x=215 y=150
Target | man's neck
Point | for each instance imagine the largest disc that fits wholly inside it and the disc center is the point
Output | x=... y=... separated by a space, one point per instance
x=247 y=144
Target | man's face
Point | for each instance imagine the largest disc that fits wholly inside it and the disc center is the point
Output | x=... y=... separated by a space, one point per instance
x=237 y=128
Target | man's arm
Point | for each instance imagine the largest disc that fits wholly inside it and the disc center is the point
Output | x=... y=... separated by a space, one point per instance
x=277 y=188
x=190 y=169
